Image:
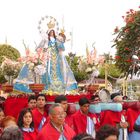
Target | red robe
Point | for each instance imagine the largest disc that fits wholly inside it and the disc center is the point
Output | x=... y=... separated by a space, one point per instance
x=1 y=130
x=69 y=120
x=80 y=121
x=110 y=117
x=50 y=133
x=37 y=117
x=13 y=106
x=132 y=116
x=29 y=135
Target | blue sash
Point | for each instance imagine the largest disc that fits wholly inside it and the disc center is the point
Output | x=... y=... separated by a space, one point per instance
x=42 y=123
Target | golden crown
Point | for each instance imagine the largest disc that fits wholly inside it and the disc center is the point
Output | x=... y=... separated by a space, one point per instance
x=51 y=25
x=62 y=31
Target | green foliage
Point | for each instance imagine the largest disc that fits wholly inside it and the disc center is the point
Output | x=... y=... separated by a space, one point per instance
x=73 y=63
x=9 y=52
x=127 y=41
x=111 y=69
x=80 y=75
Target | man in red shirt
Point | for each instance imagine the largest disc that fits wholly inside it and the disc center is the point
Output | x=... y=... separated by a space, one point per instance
x=39 y=113
x=64 y=103
x=56 y=129
x=32 y=102
x=83 y=120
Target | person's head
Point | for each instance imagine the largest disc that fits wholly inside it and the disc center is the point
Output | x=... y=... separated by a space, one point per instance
x=8 y=121
x=95 y=99
x=57 y=114
x=51 y=34
x=32 y=102
x=83 y=136
x=2 y=115
x=11 y=133
x=125 y=97
x=63 y=101
x=116 y=97
x=2 y=100
x=84 y=105
x=40 y=101
x=107 y=132
x=63 y=37
x=25 y=118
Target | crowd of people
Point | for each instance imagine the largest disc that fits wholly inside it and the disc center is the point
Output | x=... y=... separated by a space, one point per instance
x=63 y=121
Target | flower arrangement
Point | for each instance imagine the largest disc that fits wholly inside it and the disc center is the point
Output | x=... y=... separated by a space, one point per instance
x=127 y=40
x=90 y=68
x=36 y=62
x=90 y=65
x=10 y=69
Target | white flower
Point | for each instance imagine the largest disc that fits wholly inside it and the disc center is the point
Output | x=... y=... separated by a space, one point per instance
x=95 y=73
x=88 y=69
x=31 y=66
x=40 y=69
x=93 y=68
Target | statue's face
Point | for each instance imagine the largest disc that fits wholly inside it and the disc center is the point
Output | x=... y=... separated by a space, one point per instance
x=51 y=33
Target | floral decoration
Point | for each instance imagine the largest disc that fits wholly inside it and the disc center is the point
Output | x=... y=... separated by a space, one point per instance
x=10 y=69
x=36 y=61
x=127 y=40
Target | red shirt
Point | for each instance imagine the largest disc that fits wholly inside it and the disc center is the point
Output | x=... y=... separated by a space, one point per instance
x=110 y=117
x=50 y=133
x=37 y=117
x=80 y=121
x=29 y=135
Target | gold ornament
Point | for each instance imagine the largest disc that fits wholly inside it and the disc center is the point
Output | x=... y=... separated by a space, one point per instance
x=62 y=31
x=51 y=24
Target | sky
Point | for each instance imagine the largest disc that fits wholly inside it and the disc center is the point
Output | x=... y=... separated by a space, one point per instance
x=91 y=21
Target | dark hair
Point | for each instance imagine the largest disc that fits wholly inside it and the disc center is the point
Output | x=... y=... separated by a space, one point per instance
x=41 y=95
x=83 y=101
x=21 y=115
x=106 y=131
x=113 y=95
x=2 y=98
x=83 y=136
x=50 y=33
x=60 y=98
x=11 y=133
x=31 y=97
x=125 y=97
x=94 y=96
x=1 y=110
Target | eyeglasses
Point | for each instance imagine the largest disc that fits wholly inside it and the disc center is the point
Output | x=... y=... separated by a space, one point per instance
x=63 y=114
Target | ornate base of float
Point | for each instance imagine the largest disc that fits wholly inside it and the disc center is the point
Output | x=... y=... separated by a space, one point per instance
x=7 y=88
x=36 y=88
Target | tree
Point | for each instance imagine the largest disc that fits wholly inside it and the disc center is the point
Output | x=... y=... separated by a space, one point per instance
x=9 y=52
x=73 y=63
x=113 y=71
x=127 y=41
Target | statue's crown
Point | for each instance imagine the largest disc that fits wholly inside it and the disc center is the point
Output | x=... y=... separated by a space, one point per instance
x=62 y=30
x=51 y=24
